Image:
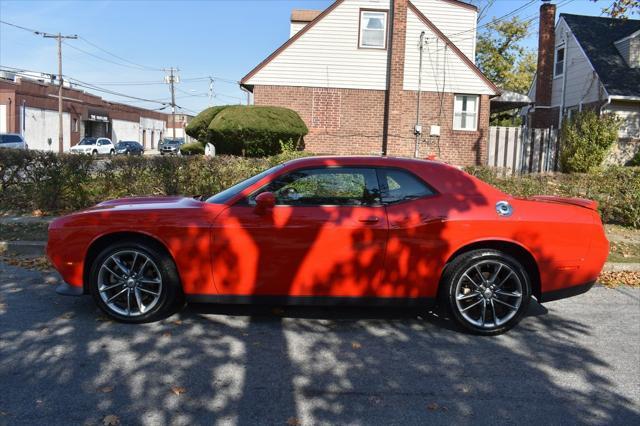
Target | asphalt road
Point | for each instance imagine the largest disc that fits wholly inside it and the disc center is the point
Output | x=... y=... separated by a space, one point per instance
x=61 y=362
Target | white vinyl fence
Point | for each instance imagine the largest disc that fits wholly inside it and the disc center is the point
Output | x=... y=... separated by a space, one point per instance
x=523 y=150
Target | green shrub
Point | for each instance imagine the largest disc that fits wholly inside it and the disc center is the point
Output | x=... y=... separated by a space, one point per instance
x=616 y=189
x=635 y=161
x=193 y=148
x=199 y=125
x=585 y=140
x=52 y=183
x=254 y=131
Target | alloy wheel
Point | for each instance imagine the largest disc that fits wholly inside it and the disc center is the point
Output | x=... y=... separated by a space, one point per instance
x=488 y=294
x=129 y=283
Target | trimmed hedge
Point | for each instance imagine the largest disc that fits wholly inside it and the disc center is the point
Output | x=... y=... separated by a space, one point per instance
x=193 y=148
x=53 y=183
x=616 y=189
x=199 y=125
x=254 y=131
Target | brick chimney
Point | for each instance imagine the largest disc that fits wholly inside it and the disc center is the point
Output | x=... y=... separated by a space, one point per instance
x=394 y=108
x=544 y=74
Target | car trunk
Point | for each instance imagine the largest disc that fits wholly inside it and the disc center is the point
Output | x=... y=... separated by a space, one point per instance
x=581 y=202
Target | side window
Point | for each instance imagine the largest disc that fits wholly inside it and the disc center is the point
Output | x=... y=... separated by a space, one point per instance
x=326 y=186
x=398 y=185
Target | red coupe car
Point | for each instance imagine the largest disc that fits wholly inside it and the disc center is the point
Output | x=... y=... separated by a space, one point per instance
x=361 y=230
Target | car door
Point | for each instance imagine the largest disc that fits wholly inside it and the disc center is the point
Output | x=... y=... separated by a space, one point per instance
x=326 y=236
x=417 y=243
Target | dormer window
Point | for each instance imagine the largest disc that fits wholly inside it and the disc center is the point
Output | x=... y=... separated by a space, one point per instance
x=373 y=29
x=558 y=68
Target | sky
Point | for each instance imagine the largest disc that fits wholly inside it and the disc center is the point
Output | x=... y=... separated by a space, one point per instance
x=223 y=39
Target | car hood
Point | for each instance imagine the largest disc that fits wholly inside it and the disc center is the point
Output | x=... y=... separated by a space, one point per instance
x=147 y=203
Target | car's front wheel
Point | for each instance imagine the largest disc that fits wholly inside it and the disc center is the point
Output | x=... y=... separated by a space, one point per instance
x=487 y=291
x=134 y=282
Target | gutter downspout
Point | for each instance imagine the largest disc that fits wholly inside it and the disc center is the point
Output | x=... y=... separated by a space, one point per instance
x=564 y=78
x=387 y=95
x=418 y=130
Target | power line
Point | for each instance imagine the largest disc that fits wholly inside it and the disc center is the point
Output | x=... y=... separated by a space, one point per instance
x=129 y=64
x=119 y=57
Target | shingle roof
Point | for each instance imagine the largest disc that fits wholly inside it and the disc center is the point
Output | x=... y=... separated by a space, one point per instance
x=597 y=37
x=304 y=15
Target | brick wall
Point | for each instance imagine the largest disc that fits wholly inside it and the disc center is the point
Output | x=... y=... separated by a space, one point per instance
x=350 y=122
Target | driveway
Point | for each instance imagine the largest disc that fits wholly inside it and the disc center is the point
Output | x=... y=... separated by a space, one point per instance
x=61 y=362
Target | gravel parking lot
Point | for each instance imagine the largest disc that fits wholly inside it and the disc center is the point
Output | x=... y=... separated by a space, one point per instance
x=574 y=361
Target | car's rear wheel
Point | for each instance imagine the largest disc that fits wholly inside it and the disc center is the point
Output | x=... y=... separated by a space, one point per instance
x=112 y=152
x=134 y=282
x=487 y=291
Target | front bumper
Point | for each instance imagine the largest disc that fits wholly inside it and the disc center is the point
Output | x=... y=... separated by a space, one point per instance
x=563 y=293
x=69 y=290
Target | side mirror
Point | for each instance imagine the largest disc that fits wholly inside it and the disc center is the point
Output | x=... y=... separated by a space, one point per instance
x=265 y=201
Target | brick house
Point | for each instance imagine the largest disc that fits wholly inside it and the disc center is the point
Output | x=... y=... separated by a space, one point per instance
x=588 y=62
x=352 y=73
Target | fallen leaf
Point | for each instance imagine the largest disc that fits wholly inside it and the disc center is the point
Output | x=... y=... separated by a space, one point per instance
x=292 y=421
x=105 y=389
x=178 y=390
x=433 y=406
x=67 y=315
x=102 y=318
x=177 y=322
x=356 y=345
x=111 y=420
x=166 y=334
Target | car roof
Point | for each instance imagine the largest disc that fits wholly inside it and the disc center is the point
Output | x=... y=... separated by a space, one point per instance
x=444 y=177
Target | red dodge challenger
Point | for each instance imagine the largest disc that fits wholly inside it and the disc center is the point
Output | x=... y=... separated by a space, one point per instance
x=337 y=230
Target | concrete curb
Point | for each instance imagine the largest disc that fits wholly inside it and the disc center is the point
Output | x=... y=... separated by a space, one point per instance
x=23 y=247
x=38 y=248
x=621 y=266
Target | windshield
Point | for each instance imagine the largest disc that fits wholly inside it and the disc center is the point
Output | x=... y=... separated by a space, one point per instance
x=124 y=145
x=229 y=193
x=88 y=141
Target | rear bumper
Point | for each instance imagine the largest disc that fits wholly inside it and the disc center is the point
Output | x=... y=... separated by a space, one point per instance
x=69 y=290
x=566 y=292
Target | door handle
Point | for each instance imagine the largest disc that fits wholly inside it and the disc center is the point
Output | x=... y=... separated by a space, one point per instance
x=370 y=219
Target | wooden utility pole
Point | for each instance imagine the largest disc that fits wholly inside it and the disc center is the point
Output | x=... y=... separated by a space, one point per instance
x=60 y=82
x=172 y=78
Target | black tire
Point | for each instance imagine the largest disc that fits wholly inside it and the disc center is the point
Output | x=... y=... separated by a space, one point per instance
x=170 y=294
x=94 y=153
x=112 y=152
x=454 y=275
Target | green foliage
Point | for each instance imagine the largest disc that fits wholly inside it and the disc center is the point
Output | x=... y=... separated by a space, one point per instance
x=622 y=9
x=193 y=148
x=52 y=183
x=585 y=140
x=616 y=189
x=198 y=128
x=254 y=131
x=503 y=59
x=635 y=161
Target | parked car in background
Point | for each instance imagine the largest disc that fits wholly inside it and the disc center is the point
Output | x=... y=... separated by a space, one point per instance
x=94 y=146
x=129 y=148
x=12 y=140
x=337 y=230
x=171 y=147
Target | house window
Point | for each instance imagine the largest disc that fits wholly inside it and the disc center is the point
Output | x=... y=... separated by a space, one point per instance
x=558 y=68
x=465 y=112
x=373 y=29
